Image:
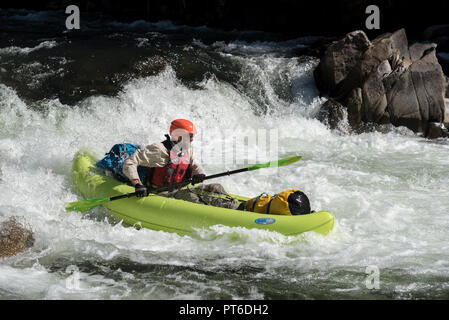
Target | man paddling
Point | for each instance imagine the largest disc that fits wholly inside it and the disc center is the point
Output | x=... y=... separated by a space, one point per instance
x=173 y=161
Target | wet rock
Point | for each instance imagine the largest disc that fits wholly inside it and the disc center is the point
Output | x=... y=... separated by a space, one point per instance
x=15 y=237
x=446 y=114
x=419 y=50
x=385 y=81
x=437 y=130
x=339 y=59
x=354 y=104
x=447 y=93
x=374 y=94
x=331 y=113
x=417 y=96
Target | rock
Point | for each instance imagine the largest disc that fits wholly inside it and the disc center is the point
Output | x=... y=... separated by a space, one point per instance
x=391 y=47
x=354 y=104
x=374 y=94
x=418 y=50
x=446 y=113
x=15 y=237
x=447 y=90
x=416 y=96
x=339 y=59
x=385 y=81
x=403 y=103
x=331 y=113
x=437 y=130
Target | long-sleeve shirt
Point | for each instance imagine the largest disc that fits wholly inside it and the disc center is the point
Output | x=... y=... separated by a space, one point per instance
x=155 y=155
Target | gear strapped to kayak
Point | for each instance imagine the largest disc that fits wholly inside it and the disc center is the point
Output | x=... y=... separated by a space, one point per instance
x=289 y=202
x=113 y=162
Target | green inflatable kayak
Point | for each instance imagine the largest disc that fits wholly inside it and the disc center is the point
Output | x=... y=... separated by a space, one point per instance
x=172 y=215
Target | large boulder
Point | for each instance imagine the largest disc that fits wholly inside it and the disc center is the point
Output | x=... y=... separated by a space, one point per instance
x=385 y=80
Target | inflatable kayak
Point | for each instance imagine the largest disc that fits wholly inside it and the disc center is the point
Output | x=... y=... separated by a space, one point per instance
x=179 y=216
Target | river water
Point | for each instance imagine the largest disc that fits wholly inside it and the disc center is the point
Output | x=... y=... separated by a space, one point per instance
x=252 y=98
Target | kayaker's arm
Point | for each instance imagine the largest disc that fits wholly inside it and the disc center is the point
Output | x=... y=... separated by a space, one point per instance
x=154 y=155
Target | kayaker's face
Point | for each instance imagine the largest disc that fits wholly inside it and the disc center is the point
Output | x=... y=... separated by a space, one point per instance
x=191 y=136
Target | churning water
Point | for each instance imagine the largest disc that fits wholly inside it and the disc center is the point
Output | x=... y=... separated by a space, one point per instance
x=60 y=93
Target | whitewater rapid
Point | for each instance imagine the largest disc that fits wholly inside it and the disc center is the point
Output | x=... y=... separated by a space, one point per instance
x=388 y=191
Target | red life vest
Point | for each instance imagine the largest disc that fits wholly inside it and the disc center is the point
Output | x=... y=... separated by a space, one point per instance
x=174 y=172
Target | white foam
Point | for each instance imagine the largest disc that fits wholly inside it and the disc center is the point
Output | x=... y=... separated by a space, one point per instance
x=13 y=50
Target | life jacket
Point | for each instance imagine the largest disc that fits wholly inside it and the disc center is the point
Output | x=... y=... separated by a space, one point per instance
x=175 y=171
x=287 y=203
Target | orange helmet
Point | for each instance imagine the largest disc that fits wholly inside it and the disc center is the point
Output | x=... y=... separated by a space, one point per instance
x=179 y=127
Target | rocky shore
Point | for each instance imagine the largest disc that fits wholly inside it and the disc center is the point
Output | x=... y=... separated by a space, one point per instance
x=386 y=80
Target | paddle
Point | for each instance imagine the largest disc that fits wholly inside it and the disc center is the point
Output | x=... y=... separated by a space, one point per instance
x=86 y=205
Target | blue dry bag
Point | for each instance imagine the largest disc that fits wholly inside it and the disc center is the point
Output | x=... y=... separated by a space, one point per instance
x=114 y=159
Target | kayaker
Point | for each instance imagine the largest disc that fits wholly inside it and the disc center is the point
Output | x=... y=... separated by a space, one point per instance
x=173 y=161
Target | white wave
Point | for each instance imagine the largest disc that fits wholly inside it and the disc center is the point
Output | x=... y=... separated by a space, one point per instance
x=26 y=50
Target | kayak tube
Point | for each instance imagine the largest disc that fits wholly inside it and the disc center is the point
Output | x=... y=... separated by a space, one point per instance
x=179 y=216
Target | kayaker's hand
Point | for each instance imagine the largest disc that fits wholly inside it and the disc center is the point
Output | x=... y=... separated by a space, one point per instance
x=198 y=178
x=141 y=190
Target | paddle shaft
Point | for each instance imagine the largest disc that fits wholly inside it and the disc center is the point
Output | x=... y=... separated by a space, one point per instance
x=92 y=203
x=227 y=173
x=180 y=184
x=128 y=195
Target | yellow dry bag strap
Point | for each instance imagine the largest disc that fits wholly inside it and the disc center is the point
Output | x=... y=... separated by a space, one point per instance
x=257 y=199
x=269 y=203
